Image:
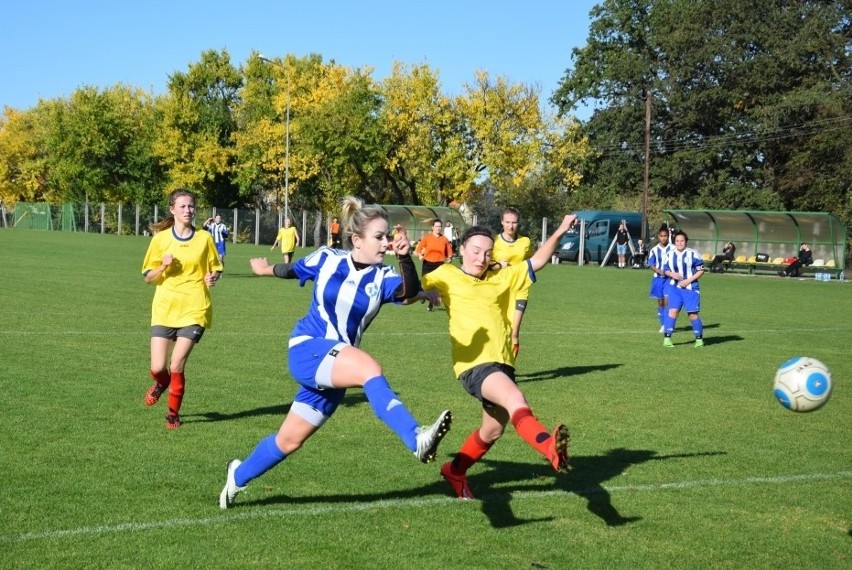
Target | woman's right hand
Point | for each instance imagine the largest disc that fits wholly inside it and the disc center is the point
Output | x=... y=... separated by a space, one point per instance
x=260 y=266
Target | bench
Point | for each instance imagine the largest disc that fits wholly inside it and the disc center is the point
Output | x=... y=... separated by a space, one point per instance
x=751 y=266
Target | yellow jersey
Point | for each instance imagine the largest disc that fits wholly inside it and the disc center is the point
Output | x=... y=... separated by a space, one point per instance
x=480 y=331
x=286 y=238
x=181 y=298
x=513 y=253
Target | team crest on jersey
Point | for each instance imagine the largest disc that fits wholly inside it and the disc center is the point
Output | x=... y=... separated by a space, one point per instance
x=372 y=290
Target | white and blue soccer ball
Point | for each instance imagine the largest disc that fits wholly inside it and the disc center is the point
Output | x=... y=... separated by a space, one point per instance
x=802 y=384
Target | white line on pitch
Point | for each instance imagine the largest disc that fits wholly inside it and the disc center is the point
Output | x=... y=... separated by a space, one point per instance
x=285 y=334
x=257 y=514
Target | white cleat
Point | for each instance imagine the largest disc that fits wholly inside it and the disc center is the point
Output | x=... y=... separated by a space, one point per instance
x=229 y=492
x=428 y=438
x=663 y=329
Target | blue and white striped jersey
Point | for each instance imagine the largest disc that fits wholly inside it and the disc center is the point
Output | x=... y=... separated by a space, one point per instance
x=657 y=257
x=345 y=299
x=219 y=231
x=687 y=263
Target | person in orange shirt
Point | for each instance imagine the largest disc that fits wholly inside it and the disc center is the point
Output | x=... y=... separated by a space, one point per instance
x=336 y=242
x=434 y=250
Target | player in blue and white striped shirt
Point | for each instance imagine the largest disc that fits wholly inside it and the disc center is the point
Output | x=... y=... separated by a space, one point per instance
x=684 y=267
x=324 y=355
x=656 y=258
x=220 y=233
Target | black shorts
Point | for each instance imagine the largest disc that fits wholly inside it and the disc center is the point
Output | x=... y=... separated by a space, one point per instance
x=192 y=332
x=430 y=266
x=473 y=378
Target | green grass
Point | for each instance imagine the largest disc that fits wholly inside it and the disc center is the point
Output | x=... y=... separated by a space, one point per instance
x=683 y=459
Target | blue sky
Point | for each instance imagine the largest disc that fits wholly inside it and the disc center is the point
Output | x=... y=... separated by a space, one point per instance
x=50 y=48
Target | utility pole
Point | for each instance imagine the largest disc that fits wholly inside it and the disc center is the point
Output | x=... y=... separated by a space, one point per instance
x=647 y=98
x=287 y=141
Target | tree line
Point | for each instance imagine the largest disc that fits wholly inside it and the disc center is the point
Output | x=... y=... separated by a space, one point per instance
x=749 y=108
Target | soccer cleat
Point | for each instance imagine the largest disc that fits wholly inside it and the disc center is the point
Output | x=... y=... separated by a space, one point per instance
x=662 y=329
x=457 y=482
x=558 y=453
x=428 y=438
x=699 y=342
x=152 y=396
x=172 y=421
x=229 y=492
x=667 y=342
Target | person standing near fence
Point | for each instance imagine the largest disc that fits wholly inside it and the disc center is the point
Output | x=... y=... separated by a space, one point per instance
x=512 y=249
x=434 y=249
x=477 y=302
x=656 y=259
x=324 y=357
x=336 y=241
x=220 y=234
x=622 y=237
x=183 y=264
x=451 y=235
x=684 y=267
x=288 y=239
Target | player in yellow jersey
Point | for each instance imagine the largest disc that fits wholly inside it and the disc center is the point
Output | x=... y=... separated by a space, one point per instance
x=477 y=301
x=288 y=238
x=183 y=263
x=512 y=249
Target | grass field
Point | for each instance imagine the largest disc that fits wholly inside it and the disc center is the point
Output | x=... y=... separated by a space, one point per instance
x=682 y=458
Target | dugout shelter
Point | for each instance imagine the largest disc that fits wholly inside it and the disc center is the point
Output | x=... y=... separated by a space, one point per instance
x=777 y=235
x=417 y=220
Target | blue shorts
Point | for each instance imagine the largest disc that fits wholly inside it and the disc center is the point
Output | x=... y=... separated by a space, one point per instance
x=220 y=247
x=658 y=288
x=685 y=299
x=621 y=248
x=310 y=363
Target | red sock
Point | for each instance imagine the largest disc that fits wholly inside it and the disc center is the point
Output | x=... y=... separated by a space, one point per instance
x=162 y=377
x=531 y=430
x=176 y=393
x=472 y=450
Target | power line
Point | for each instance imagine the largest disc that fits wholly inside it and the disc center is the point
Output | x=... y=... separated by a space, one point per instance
x=731 y=139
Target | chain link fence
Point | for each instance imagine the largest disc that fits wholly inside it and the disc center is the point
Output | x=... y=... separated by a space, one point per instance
x=247 y=226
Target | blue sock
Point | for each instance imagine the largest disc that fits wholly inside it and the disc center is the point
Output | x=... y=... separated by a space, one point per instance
x=264 y=457
x=698 y=327
x=669 y=323
x=390 y=410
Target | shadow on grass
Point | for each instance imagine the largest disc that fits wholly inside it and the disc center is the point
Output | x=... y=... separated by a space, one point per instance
x=563 y=372
x=688 y=327
x=501 y=480
x=202 y=417
x=709 y=341
x=351 y=399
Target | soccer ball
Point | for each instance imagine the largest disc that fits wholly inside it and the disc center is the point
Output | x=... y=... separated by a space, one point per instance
x=802 y=384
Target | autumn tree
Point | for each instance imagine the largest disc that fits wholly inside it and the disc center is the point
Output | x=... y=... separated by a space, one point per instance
x=23 y=167
x=427 y=160
x=196 y=129
x=95 y=146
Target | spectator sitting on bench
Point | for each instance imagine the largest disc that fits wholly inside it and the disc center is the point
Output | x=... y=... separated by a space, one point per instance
x=806 y=257
x=641 y=255
x=727 y=254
